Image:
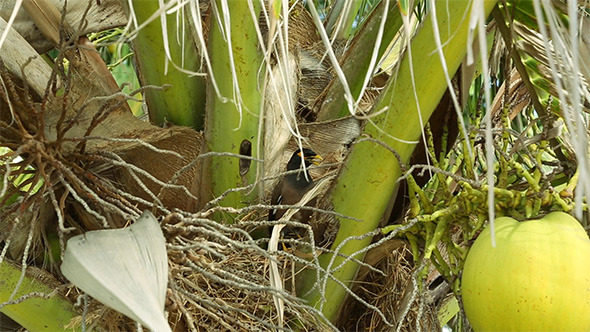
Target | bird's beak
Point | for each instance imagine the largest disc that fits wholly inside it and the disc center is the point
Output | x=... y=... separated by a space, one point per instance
x=315 y=159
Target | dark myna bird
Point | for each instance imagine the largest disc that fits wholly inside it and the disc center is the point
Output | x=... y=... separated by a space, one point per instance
x=293 y=186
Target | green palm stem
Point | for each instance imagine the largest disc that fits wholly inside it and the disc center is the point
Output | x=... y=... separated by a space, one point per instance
x=233 y=110
x=182 y=102
x=34 y=313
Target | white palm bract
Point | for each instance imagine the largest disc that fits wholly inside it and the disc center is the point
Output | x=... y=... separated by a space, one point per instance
x=125 y=269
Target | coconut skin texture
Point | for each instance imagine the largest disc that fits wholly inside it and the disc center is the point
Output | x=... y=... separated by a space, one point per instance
x=537 y=278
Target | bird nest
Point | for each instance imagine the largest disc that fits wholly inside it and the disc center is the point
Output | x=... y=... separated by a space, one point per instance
x=218 y=280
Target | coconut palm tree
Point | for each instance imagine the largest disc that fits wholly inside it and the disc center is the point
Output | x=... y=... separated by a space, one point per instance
x=478 y=106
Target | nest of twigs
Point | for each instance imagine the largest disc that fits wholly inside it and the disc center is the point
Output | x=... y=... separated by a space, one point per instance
x=218 y=281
